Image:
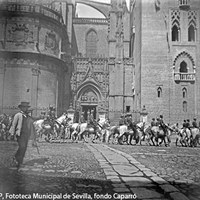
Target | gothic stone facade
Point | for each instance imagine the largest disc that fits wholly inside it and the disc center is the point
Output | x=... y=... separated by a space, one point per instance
x=103 y=70
x=147 y=56
x=165 y=46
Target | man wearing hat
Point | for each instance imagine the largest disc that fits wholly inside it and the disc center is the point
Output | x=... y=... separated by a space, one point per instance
x=162 y=124
x=20 y=128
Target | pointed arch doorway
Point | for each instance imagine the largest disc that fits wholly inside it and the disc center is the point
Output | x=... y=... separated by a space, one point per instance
x=89 y=109
x=89 y=99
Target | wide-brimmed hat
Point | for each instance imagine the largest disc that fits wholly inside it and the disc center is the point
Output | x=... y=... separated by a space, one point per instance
x=24 y=104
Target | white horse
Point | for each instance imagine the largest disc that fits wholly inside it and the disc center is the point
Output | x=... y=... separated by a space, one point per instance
x=72 y=131
x=95 y=130
x=42 y=128
x=142 y=129
x=183 y=136
x=103 y=129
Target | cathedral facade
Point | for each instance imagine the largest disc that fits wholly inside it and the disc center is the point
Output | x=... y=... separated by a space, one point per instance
x=145 y=54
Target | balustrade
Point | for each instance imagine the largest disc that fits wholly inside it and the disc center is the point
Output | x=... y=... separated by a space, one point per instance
x=10 y=7
x=184 y=76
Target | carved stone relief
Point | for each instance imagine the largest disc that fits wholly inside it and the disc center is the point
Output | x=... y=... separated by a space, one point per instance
x=51 y=41
x=89 y=96
x=19 y=33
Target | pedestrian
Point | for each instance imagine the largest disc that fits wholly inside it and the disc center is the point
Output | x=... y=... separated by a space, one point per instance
x=22 y=127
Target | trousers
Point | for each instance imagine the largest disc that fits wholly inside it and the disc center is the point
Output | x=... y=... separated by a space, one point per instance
x=22 y=141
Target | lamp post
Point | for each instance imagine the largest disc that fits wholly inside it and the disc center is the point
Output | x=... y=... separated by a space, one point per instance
x=143 y=115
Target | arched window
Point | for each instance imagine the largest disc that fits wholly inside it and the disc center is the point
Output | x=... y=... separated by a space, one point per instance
x=175 y=34
x=159 y=92
x=185 y=106
x=184 y=90
x=183 y=67
x=91 y=44
x=192 y=25
x=191 y=34
x=175 y=25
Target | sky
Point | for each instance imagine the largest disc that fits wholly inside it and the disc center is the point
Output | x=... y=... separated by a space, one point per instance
x=86 y=11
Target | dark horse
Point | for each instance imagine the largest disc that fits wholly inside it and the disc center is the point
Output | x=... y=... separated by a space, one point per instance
x=128 y=133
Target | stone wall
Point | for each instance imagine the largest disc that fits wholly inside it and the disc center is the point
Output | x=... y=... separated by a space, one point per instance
x=32 y=68
x=154 y=62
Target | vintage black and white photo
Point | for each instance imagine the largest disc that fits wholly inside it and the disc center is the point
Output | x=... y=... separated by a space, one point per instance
x=99 y=99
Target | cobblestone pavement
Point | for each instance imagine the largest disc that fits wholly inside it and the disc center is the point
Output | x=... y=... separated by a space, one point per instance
x=180 y=166
x=72 y=168
x=131 y=177
x=60 y=168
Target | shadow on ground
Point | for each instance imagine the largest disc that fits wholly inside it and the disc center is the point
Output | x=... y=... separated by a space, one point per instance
x=40 y=161
x=14 y=182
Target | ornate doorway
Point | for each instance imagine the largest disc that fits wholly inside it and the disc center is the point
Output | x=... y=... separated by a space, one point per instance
x=89 y=109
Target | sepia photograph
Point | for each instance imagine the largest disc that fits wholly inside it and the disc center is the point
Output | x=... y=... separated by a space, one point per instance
x=99 y=99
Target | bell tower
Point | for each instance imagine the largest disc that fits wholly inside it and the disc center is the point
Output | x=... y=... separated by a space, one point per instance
x=120 y=65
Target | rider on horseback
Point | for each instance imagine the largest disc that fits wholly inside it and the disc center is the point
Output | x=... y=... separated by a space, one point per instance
x=194 y=123
x=153 y=122
x=121 y=120
x=133 y=126
x=162 y=124
x=51 y=116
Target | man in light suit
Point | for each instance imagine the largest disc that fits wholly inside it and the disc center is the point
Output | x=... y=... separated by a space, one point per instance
x=21 y=128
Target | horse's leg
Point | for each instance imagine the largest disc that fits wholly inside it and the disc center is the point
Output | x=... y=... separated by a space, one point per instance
x=141 y=139
x=156 y=140
x=84 y=133
x=176 y=143
x=73 y=138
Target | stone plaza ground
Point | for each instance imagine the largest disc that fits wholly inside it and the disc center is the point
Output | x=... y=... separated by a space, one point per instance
x=100 y=171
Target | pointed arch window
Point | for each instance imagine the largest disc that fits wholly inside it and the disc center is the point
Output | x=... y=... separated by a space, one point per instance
x=159 y=92
x=175 y=25
x=184 y=90
x=192 y=25
x=191 y=33
x=175 y=33
x=183 y=67
x=91 y=43
x=185 y=106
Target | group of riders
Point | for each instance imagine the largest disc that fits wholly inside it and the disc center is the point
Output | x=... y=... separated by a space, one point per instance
x=126 y=131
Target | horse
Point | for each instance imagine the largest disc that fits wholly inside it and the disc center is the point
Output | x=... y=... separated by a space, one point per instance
x=113 y=133
x=184 y=136
x=195 y=135
x=143 y=130
x=59 y=126
x=87 y=129
x=72 y=131
x=94 y=129
x=157 y=132
x=49 y=130
x=127 y=133
x=123 y=134
x=103 y=128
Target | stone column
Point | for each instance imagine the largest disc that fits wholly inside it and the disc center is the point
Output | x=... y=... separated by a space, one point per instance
x=34 y=90
x=2 y=77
